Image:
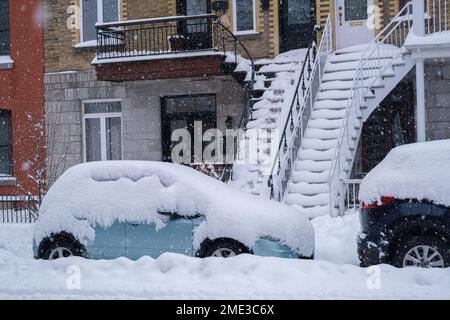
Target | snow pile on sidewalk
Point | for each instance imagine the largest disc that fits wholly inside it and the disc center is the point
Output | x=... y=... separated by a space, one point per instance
x=173 y=276
x=416 y=171
x=100 y=193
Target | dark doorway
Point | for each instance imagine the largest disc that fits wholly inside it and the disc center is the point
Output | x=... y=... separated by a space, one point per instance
x=390 y=125
x=185 y=112
x=297 y=21
x=197 y=32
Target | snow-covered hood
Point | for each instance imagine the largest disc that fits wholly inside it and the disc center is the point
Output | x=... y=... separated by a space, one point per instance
x=416 y=171
x=100 y=193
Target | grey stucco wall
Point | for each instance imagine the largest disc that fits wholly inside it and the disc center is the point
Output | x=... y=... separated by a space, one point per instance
x=437 y=90
x=141 y=110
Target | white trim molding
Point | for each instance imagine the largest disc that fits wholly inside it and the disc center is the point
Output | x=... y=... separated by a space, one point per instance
x=244 y=32
x=87 y=43
x=102 y=117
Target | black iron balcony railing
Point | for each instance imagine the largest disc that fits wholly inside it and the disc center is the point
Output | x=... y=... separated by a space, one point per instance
x=168 y=35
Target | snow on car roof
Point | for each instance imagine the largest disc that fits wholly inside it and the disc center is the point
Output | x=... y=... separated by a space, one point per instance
x=100 y=193
x=416 y=171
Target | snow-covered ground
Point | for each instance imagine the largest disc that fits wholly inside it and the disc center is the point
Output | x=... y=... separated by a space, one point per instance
x=333 y=275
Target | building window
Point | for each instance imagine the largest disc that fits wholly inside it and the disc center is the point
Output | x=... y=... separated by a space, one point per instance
x=94 y=11
x=355 y=10
x=102 y=122
x=244 y=16
x=4 y=28
x=6 y=160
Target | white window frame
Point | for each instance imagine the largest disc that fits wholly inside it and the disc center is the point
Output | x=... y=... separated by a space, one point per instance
x=102 y=117
x=243 y=32
x=99 y=16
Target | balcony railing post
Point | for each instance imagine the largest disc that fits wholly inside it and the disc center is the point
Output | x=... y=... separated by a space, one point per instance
x=419 y=17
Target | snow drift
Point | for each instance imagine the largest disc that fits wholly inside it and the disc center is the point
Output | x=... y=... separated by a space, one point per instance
x=416 y=171
x=101 y=193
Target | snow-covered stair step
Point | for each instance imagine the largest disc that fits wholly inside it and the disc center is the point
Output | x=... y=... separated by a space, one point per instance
x=328 y=114
x=310 y=177
x=308 y=188
x=325 y=124
x=355 y=56
x=330 y=104
x=353 y=65
x=348 y=84
x=285 y=67
x=322 y=133
x=318 y=144
x=313 y=166
x=337 y=95
x=316 y=155
x=313 y=212
x=307 y=201
x=350 y=75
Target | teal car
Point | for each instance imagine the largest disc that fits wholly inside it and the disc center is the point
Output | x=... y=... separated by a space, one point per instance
x=135 y=209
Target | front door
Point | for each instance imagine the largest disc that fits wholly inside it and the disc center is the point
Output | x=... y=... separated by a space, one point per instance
x=198 y=32
x=353 y=24
x=194 y=114
x=297 y=21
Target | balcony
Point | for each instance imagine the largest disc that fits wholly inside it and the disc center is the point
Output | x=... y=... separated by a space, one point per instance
x=163 y=48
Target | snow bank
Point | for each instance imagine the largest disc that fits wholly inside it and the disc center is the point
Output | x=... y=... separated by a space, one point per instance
x=100 y=193
x=174 y=276
x=415 y=171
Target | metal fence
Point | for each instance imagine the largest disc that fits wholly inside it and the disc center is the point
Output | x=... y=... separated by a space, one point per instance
x=19 y=209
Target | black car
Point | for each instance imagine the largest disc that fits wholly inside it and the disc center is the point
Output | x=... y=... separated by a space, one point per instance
x=404 y=233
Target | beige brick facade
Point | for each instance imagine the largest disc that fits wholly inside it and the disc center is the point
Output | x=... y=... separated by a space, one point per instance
x=62 y=32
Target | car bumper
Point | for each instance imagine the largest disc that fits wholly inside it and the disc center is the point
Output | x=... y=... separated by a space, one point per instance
x=371 y=250
x=270 y=248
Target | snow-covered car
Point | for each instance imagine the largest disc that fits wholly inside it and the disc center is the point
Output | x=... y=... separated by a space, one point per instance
x=105 y=210
x=405 y=215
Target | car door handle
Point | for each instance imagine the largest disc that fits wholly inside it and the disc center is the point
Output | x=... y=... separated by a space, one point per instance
x=134 y=224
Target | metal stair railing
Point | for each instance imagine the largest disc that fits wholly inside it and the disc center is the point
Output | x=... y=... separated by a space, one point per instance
x=299 y=113
x=376 y=61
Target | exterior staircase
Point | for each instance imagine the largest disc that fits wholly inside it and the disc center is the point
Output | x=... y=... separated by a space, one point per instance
x=308 y=189
x=318 y=148
x=275 y=81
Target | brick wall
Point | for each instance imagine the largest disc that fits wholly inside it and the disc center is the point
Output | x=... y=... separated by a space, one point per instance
x=62 y=32
x=141 y=111
x=437 y=82
x=21 y=92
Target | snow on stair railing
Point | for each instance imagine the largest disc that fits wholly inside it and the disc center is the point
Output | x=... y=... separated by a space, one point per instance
x=375 y=63
x=299 y=113
x=438 y=16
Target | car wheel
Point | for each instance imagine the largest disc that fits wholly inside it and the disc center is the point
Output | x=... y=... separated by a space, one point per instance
x=58 y=247
x=422 y=252
x=222 y=248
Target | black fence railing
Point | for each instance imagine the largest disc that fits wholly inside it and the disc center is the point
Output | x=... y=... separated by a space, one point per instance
x=19 y=209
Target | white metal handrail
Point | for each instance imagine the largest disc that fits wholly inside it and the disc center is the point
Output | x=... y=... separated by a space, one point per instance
x=284 y=160
x=437 y=17
x=378 y=58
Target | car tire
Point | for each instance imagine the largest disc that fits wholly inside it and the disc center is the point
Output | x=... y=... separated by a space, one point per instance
x=223 y=248
x=60 y=246
x=422 y=252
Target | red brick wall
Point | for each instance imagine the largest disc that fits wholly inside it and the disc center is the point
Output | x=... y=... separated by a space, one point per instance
x=22 y=88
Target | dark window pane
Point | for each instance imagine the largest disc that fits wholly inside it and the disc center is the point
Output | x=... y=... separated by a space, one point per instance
x=355 y=10
x=4 y=28
x=110 y=10
x=102 y=107
x=113 y=139
x=89 y=19
x=244 y=15
x=5 y=143
x=93 y=140
x=299 y=12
